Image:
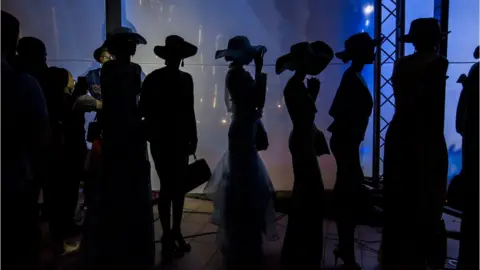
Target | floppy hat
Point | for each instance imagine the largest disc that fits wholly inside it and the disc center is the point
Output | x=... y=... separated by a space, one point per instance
x=177 y=47
x=424 y=29
x=240 y=48
x=312 y=57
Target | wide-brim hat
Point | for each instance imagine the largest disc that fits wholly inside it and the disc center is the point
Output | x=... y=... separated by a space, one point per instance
x=424 y=29
x=125 y=33
x=175 y=47
x=239 y=48
x=97 y=54
x=311 y=57
x=356 y=45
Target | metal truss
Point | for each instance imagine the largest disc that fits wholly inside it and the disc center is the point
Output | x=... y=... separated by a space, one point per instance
x=389 y=27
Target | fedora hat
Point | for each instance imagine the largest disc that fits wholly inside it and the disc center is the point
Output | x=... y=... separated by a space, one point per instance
x=240 y=48
x=356 y=45
x=97 y=54
x=424 y=29
x=125 y=33
x=313 y=57
x=176 y=47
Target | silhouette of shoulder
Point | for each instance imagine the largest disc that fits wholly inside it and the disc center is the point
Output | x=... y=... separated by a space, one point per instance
x=164 y=71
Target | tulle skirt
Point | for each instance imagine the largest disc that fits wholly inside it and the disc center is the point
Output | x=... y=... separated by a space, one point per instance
x=221 y=182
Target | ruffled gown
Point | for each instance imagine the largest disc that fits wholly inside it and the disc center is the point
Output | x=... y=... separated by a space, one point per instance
x=240 y=186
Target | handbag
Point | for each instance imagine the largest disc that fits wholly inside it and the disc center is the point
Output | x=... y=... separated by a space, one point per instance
x=261 y=138
x=321 y=146
x=198 y=172
x=94 y=131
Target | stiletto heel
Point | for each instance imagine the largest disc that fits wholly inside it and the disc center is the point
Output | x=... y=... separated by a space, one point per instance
x=183 y=246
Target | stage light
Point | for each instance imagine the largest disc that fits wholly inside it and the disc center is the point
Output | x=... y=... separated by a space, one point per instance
x=367 y=23
x=368 y=9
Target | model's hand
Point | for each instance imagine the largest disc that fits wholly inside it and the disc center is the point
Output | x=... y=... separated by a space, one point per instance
x=258 y=59
x=313 y=85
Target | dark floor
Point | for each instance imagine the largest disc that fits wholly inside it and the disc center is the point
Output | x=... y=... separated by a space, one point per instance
x=206 y=256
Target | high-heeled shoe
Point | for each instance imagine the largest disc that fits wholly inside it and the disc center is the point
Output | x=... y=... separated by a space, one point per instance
x=182 y=245
x=347 y=264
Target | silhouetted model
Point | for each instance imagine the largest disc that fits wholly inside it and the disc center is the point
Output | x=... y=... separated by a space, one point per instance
x=123 y=235
x=25 y=133
x=303 y=244
x=32 y=57
x=456 y=189
x=244 y=198
x=59 y=189
x=350 y=110
x=167 y=104
x=416 y=158
x=102 y=56
x=468 y=255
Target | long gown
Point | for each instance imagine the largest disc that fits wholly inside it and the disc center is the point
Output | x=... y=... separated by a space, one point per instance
x=468 y=252
x=241 y=188
x=416 y=164
x=120 y=228
x=302 y=248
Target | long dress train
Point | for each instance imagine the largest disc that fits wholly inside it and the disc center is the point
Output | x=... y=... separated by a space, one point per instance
x=241 y=188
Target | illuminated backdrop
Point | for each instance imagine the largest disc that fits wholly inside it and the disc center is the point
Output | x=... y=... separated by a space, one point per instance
x=71 y=31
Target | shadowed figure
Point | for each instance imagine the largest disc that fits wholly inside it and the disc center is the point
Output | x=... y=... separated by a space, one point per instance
x=243 y=196
x=468 y=254
x=32 y=57
x=102 y=56
x=350 y=110
x=416 y=158
x=60 y=192
x=167 y=103
x=302 y=248
x=456 y=189
x=123 y=235
x=25 y=133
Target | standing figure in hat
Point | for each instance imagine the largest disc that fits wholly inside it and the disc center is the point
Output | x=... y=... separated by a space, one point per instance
x=25 y=142
x=350 y=110
x=456 y=189
x=468 y=253
x=101 y=55
x=167 y=104
x=302 y=248
x=416 y=157
x=243 y=200
x=123 y=237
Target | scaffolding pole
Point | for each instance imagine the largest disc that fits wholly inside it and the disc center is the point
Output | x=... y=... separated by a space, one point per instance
x=389 y=27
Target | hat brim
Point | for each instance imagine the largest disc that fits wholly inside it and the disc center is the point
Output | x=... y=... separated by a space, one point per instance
x=139 y=39
x=313 y=64
x=246 y=54
x=183 y=51
x=410 y=39
x=97 y=54
x=344 y=55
